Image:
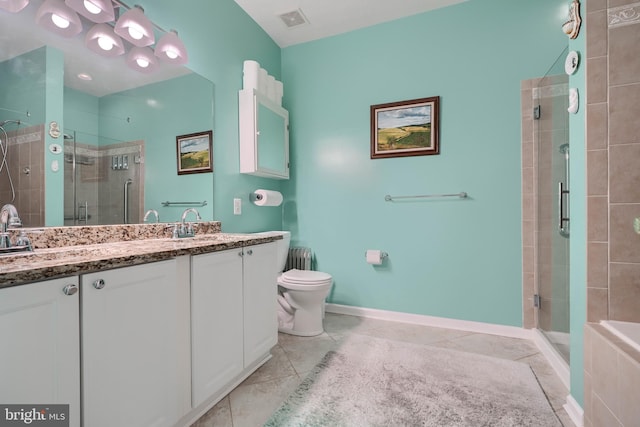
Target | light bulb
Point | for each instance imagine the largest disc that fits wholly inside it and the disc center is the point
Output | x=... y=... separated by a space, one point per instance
x=105 y=43
x=142 y=62
x=171 y=54
x=59 y=21
x=135 y=31
x=91 y=8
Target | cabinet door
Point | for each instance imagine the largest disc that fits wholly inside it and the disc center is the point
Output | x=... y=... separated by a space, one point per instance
x=133 y=334
x=260 y=288
x=40 y=350
x=216 y=321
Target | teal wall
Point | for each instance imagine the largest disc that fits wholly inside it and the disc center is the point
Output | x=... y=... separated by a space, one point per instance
x=23 y=88
x=447 y=257
x=54 y=179
x=81 y=115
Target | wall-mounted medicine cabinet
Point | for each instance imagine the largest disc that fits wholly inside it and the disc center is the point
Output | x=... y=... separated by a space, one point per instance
x=264 y=136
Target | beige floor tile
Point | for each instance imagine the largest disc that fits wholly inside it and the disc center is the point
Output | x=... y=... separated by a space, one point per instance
x=253 y=404
x=278 y=366
x=218 y=416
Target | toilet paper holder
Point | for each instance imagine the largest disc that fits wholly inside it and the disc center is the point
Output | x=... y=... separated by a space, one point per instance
x=383 y=255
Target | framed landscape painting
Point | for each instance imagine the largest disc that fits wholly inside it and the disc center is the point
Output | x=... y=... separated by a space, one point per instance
x=195 y=152
x=405 y=128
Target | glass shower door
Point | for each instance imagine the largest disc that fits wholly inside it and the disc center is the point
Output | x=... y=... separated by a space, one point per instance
x=552 y=128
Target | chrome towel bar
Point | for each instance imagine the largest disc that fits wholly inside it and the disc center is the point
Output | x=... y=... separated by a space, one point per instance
x=462 y=195
x=203 y=203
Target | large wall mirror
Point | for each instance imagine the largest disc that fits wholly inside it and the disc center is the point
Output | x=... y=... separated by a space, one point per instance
x=87 y=140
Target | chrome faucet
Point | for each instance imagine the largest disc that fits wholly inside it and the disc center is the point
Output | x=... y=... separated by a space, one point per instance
x=185 y=229
x=148 y=214
x=8 y=219
x=187 y=211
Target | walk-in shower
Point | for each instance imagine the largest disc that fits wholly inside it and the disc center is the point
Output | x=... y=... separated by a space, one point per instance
x=104 y=180
x=551 y=130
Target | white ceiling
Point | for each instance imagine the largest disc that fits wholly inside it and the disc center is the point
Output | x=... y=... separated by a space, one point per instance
x=330 y=17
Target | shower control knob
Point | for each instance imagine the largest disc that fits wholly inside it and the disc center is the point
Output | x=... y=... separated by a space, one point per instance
x=99 y=284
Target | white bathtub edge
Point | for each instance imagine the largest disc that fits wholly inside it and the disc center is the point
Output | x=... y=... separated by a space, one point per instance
x=627 y=331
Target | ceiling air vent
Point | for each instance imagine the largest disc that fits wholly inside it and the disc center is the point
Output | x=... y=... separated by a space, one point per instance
x=293 y=18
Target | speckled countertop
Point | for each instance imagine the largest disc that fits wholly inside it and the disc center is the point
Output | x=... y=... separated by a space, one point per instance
x=73 y=259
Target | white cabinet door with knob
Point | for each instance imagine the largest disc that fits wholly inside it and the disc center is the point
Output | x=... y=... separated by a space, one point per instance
x=260 y=290
x=135 y=345
x=216 y=328
x=40 y=345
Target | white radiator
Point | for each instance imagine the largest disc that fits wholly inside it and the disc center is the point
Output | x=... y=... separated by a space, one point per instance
x=298 y=258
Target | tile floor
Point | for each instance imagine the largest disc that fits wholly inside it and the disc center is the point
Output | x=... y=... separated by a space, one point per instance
x=252 y=402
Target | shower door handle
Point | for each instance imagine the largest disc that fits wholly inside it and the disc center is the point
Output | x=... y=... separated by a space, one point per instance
x=561 y=210
x=126 y=200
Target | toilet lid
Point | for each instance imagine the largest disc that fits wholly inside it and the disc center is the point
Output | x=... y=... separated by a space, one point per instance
x=305 y=276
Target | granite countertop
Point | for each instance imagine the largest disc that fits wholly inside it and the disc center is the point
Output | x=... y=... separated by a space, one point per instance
x=49 y=263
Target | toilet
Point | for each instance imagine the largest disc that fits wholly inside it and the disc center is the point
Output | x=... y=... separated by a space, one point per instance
x=301 y=295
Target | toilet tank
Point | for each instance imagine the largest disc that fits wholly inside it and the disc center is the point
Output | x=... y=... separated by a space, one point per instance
x=283 y=249
x=282 y=246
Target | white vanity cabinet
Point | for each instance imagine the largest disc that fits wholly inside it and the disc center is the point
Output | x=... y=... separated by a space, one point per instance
x=264 y=136
x=40 y=345
x=135 y=345
x=259 y=303
x=234 y=319
x=216 y=322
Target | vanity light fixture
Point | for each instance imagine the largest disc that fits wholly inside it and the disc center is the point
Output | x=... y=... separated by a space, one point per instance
x=98 y=11
x=135 y=27
x=57 y=17
x=171 y=49
x=142 y=59
x=13 y=6
x=102 y=40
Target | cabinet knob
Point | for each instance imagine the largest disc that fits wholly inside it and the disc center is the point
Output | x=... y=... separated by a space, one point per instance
x=99 y=284
x=70 y=289
x=240 y=253
x=250 y=252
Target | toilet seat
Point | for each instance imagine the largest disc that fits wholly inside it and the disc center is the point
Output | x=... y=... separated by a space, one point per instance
x=305 y=276
x=301 y=280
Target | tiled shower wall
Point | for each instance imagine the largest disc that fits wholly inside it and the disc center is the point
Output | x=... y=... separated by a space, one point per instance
x=613 y=190
x=613 y=159
x=25 y=163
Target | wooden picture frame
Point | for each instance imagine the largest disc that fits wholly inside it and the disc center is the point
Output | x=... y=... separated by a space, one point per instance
x=195 y=152
x=405 y=128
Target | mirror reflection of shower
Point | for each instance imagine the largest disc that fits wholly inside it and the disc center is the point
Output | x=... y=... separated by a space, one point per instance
x=95 y=170
x=4 y=165
x=22 y=152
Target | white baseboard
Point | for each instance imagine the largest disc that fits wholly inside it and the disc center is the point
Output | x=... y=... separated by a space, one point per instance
x=574 y=410
x=557 y=363
x=439 y=322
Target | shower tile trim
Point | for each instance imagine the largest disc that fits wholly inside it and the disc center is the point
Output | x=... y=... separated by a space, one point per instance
x=624 y=15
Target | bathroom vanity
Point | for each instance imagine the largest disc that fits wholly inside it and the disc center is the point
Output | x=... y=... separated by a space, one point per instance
x=149 y=331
